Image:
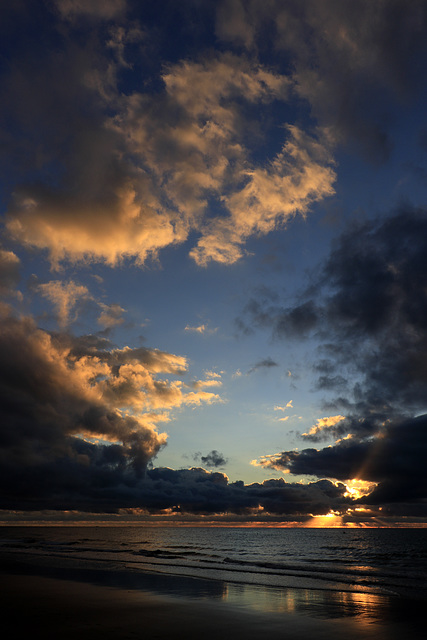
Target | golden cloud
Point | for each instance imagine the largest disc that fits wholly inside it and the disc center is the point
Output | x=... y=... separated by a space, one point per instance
x=64 y=296
x=147 y=176
x=323 y=424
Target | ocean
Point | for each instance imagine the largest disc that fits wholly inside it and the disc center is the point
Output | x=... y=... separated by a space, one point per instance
x=390 y=562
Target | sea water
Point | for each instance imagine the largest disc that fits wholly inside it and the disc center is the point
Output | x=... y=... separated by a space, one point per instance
x=359 y=561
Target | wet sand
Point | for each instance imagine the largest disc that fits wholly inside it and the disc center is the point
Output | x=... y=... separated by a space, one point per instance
x=90 y=605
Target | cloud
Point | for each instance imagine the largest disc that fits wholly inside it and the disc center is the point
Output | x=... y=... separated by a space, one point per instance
x=78 y=431
x=10 y=272
x=136 y=172
x=202 y=492
x=288 y=405
x=349 y=62
x=394 y=460
x=295 y=322
x=202 y=329
x=64 y=296
x=111 y=316
x=102 y=9
x=79 y=418
x=267 y=363
x=290 y=184
x=67 y=296
x=211 y=459
x=371 y=303
x=200 y=384
x=322 y=428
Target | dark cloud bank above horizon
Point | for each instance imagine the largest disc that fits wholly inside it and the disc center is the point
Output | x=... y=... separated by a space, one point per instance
x=367 y=310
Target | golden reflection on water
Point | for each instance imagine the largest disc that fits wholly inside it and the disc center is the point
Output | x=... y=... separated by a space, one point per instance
x=364 y=608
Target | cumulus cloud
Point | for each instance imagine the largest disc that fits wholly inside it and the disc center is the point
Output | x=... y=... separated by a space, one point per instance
x=137 y=172
x=212 y=459
x=394 y=461
x=202 y=492
x=78 y=417
x=79 y=429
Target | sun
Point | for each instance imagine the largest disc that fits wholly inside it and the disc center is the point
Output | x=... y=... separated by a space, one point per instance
x=330 y=520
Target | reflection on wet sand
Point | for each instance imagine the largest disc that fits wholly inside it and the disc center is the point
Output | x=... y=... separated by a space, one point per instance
x=368 y=614
x=364 y=610
x=320 y=603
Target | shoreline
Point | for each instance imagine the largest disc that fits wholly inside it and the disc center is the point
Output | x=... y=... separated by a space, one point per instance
x=74 y=597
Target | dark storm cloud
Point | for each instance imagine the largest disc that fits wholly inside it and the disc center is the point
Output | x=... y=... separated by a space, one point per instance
x=78 y=417
x=64 y=443
x=395 y=459
x=350 y=60
x=199 y=491
x=368 y=308
x=47 y=399
x=371 y=308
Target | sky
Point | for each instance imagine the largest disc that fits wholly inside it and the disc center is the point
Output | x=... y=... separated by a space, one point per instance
x=213 y=261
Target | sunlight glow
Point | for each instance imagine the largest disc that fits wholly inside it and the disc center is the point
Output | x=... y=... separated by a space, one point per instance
x=358 y=488
x=331 y=519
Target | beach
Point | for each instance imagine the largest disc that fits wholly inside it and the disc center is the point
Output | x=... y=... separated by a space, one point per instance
x=48 y=600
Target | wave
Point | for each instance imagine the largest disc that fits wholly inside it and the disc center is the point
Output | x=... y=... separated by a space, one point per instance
x=253 y=559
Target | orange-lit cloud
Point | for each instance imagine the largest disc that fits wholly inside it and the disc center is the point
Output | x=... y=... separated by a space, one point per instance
x=10 y=266
x=288 y=405
x=294 y=180
x=269 y=460
x=64 y=296
x=202 y=329
x=323 y=424
x=330 y=520
x=111 y=316
x=145 y=177
x=119 y=383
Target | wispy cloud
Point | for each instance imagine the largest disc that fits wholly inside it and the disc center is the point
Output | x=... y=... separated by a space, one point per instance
x=202 y=329
x=144 y=166
x=64 y=296
x=111 y=316
x=267 y=363
x=289 y=405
